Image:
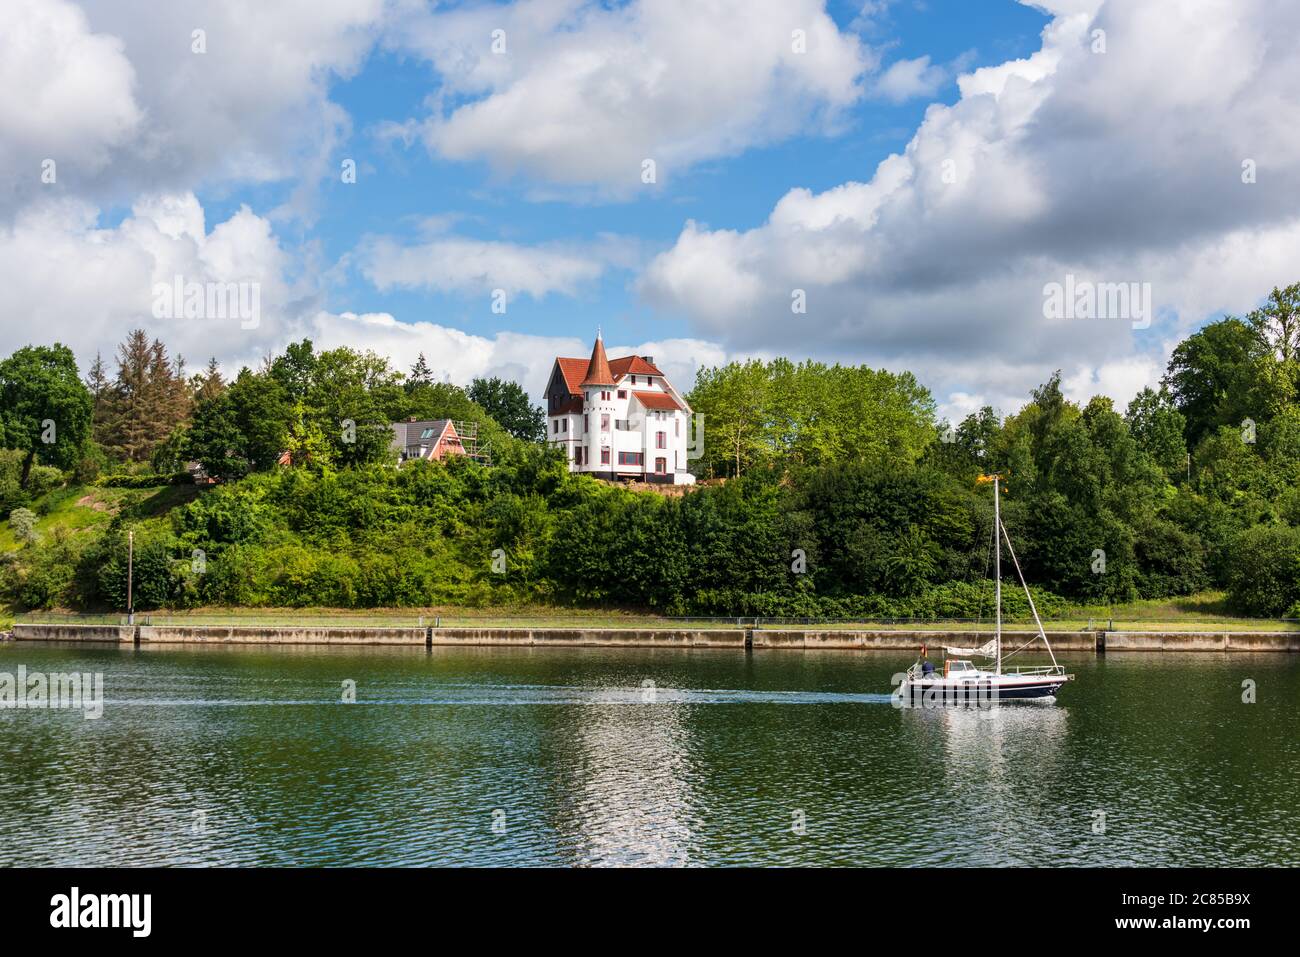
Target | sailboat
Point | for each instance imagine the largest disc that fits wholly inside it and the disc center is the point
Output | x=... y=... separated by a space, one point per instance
x=962 y=681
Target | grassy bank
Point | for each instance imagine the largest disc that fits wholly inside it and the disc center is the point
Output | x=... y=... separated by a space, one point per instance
x=1203 y=612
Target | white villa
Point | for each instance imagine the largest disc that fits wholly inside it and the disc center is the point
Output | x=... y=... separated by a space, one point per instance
x=618 y=419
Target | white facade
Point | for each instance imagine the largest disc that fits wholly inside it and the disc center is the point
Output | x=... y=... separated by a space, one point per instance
x=635 y=428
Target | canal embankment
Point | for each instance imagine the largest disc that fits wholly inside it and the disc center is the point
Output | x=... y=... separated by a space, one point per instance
x=1098 y=641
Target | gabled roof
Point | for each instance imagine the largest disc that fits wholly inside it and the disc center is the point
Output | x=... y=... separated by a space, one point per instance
x=577 y=372
x=598 y=372
x=574 y=371
x=632 y=365
x=658 y=401
x=406 y=434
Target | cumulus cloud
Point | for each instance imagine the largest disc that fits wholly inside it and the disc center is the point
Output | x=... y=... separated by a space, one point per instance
x=457 y=356
x=1116 y=166
x=472 y=266
x=69 y=279
x=584 y=93
x=119 y=97
x=69 y=98
x=909 y=79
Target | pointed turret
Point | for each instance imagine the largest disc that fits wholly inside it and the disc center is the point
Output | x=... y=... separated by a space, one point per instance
x=598 y=373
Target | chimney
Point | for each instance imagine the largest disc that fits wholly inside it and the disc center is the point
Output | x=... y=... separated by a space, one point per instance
x=649 y=359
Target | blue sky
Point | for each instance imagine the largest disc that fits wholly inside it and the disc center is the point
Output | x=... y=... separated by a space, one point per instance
x=920 y=172
x=399 y=186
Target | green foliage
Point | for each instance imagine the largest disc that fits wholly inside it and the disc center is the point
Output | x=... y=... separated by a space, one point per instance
x=45 y=410
x=842 y=496
x=23 y=523
x=809 y=415
x=1264 y=570
x=508 y=404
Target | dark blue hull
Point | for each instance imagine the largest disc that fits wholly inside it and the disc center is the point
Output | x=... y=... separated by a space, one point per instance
x=982 y=692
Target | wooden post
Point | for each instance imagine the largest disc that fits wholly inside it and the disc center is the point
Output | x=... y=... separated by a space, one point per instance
x=130 y=572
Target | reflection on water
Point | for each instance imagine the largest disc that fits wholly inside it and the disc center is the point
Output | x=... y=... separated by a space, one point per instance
x=524 y=756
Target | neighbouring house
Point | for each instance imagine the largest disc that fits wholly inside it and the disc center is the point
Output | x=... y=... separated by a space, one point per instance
x=428 y=439
x=618 y=418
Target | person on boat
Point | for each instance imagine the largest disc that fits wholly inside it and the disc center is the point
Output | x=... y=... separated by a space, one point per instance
x=927 y=666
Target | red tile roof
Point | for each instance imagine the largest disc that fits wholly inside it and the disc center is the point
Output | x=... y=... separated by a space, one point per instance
x=577 y=372
x=632 y=365
x=598 y=372
x=574 y=371
x=658 y=401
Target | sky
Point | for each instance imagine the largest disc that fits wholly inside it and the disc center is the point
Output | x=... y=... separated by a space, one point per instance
x=893 y=182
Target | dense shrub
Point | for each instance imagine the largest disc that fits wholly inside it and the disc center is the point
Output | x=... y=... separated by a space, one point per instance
x=1264 y=576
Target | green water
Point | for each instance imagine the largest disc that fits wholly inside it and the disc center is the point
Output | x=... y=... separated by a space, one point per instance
x=510 y=756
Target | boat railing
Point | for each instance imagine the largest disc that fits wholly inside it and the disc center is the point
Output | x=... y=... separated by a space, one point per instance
x=1036 y=670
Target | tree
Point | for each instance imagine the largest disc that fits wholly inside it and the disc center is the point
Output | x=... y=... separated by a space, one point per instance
x=420 y=375
x=209 y=383
x=1264 y=570
x=1159 y=429
x=1276 y=324
x=244 y=429
x=1213 y=378
x=510 y=407
x=148 y=400
x=45 y=408
x=23 y=523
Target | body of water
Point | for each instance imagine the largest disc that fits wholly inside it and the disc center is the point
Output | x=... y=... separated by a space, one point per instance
x=523 y=756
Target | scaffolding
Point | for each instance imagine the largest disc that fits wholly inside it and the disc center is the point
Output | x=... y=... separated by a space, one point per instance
x=469 y=440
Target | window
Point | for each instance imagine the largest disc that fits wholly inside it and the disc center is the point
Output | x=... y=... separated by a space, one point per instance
x=634 y=380
x=586 y=424
x=677 y=427
x=622 y=393
x=555 y=426
x=604 y=396
x=577 y=455
x=661 y=440
x=661 y=465
x=427 y=434
x=604 y=422
x=604 y=456
x=629 y=458
x=623 y=425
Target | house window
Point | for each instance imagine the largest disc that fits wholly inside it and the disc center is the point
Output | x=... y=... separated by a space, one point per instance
x=427 y=434
x=661 y=440
x=604 y=422
x=677 y=427
x=586 y=424
x=577 y=455
x=622 y=393
x=604 y=456
x=634 y=380
x=604 y=396
x=555 y=426
x=661 y=465
x=629 y=458
x=623 y=425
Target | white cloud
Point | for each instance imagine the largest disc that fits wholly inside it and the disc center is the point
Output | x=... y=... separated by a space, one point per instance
x=469 y=266
x=76 y=282
x=458 y=356
x=1123 y=166
x=908 y=79
x=69 y=97
x=584 y=93
x=120 y=99
x=73 y=281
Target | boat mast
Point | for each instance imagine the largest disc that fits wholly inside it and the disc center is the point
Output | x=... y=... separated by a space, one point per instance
x=997 y=567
